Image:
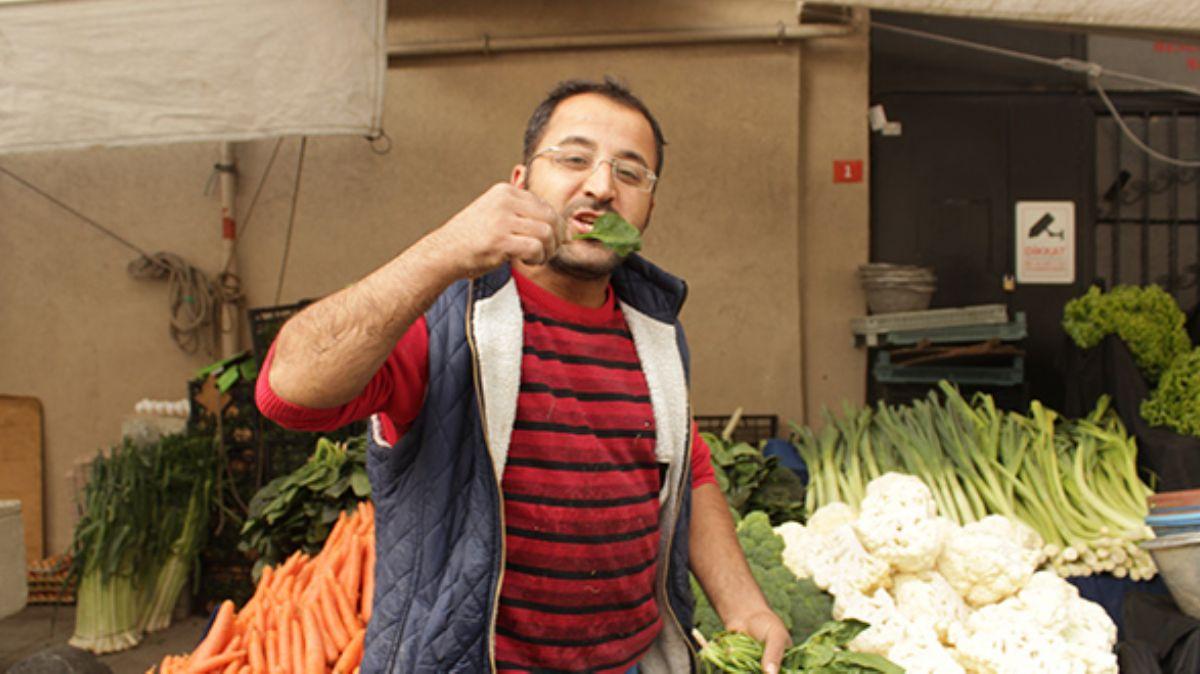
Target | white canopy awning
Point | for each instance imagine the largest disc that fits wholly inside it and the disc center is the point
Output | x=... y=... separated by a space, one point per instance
x=1167 y=16
x=77 y=73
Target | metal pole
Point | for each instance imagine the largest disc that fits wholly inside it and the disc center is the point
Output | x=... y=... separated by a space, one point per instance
x=488 y=44
x=230 y=326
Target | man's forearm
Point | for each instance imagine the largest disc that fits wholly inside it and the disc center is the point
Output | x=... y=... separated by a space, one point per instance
x=326 y=354
x=717 y=559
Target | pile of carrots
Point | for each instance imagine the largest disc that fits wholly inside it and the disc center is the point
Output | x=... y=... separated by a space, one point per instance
x=307 y=615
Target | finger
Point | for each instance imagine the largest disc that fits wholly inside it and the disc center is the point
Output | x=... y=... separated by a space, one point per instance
x=773 y=650
x=526 y=249
x=539 y=230
x=534 y=207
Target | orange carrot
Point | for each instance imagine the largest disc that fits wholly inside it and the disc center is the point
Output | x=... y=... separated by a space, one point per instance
x=368 y=582
x=297 y=654
x=352 y=570
x=352 y=655
x=245 y=670
x=285 y=633
x=285 y=588
x=233 y=667
x=314 y=606
x=304 y=577
x=209 y=664
x=333 y=622
x=264 y=611
x=345 y=607
x=314 y=658
x=258 y=659
x=272 y=650
x=219 y=634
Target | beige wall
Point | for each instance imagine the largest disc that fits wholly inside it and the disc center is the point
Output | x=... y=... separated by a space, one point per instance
x=745 y=213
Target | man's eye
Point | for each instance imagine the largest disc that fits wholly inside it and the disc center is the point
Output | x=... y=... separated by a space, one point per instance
x=575 y=161
x=629 y=174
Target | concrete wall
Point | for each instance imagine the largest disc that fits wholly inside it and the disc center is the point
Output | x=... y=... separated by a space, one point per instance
x=746 y=212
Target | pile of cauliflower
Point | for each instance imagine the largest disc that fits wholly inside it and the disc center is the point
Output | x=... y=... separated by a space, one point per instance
x=944 y=599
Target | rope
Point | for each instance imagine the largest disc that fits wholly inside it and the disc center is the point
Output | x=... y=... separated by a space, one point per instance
x=191 y=298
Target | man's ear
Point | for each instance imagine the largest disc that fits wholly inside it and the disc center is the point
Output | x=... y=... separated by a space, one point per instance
x=519 y=173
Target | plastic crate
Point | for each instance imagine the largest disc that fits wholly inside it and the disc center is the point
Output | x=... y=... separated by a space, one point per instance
x=752 y=428
x=870 y=328
x=1011 y=331
x=266 y=321
x=1010 y=374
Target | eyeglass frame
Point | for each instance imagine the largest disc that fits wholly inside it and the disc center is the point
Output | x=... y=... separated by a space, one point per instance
x=612 y=166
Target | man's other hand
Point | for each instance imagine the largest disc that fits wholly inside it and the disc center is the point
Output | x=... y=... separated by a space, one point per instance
x=768 y=629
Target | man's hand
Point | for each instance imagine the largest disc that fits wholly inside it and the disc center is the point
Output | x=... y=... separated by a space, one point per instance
x=767 y=628
x=505 y=223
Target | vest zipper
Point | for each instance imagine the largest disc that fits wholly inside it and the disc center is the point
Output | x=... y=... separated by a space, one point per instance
x=687 y=457
x=499 y=499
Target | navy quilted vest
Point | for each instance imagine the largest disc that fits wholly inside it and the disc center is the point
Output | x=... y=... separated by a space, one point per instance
x=439 y=538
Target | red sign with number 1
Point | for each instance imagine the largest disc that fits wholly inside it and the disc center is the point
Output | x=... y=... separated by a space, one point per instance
x=847 y=170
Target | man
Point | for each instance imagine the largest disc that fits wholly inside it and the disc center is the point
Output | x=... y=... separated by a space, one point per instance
x=539 y=485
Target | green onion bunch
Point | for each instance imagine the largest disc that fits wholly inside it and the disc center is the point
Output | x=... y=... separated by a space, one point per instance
x=1075 y=482
x=144 y=518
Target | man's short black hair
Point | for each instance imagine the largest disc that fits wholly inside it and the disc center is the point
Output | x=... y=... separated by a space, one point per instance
x=609 y=88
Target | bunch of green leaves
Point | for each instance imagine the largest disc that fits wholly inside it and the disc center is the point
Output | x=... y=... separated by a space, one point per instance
x=1147 y=319
x=1176 y=402
x=752 y=481
x=615 y=233
x=801 y=605
x=296 y=511
x=823 y=652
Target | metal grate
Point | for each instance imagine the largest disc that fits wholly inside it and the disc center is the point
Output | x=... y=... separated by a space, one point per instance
x=1148 y=216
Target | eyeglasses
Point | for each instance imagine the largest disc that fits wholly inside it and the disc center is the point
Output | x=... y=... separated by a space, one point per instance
x=581 y=161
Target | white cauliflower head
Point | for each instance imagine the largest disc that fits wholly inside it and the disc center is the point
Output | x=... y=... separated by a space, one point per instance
x=1014 y=530
x=839 y=563
x=896 y=491
x=796 y=547
x=927 y=599
x=887 y=625
x=831 y=516
x=920 y=652
x=1002 y=639
x=983 y=566
x=898 y=523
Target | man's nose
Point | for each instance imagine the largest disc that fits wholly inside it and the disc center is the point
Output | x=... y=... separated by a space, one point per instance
x=599 y=185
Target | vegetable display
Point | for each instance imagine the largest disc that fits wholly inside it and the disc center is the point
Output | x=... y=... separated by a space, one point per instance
x=752 y=481
x=942 y=598
x=308 y=615
x=295 y=511
x=1147 y=319
x=1176 y=402
x=1075 y=482
x=823 y=652
x=799 y=603
x=145 y=511
x=615 y=233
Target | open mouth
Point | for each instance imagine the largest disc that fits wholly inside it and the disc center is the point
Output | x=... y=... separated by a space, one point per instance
x=583 y=219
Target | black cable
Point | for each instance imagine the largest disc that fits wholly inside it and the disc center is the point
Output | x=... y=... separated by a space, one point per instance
x=287 y=242
x=34 y=188
x=245 y=223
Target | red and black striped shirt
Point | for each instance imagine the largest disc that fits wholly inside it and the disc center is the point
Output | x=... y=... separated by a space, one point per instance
x=581 y=484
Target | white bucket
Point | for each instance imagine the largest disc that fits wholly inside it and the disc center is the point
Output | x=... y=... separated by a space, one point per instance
x=14 y=585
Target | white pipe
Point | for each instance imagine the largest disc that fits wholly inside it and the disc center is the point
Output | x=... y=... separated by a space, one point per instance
x=490 y=45
x=229 y=324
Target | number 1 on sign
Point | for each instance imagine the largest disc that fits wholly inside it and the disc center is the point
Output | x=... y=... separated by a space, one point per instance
x=847 y=170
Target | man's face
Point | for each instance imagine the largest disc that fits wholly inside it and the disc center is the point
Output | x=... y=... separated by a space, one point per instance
x=607 y=130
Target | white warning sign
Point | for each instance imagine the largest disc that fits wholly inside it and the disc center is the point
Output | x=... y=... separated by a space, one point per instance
x=1045 y=242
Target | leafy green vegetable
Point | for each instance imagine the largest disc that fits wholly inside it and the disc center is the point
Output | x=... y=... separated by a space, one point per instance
x=824 y=652
x=616 y=233
x=801 y=605
x=297 y=511
x=1147 y=319
x=1176 y=401
x=752 y=481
